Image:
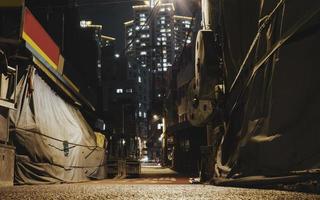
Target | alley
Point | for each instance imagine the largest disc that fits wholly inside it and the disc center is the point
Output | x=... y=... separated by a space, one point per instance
x=154 y=183
x=159 y=99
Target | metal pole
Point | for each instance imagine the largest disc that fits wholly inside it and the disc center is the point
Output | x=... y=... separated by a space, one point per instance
x=207 y=14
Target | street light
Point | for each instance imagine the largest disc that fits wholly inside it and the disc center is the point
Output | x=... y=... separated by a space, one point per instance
x=155 y=117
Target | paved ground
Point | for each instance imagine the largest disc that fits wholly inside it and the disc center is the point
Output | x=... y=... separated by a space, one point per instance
x=151 y=175
x=155 y=183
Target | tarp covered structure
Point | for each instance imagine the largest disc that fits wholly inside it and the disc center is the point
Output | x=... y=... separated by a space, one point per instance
x=272 y=109
x=53 y=141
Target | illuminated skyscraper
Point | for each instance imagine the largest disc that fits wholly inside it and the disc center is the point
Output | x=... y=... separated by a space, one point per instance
x=138 y=43
x=151 y=39
x=182 y=33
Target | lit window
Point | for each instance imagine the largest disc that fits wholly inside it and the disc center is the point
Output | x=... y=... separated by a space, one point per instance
x=140 y=114
x=139 y=79
x=142 y=53
x=145 y=115
x=159 y=126
x=162 y=9
x=140 y=104
x=129 y=90
x=119 y=91
x=165 y=69
x=145 y=36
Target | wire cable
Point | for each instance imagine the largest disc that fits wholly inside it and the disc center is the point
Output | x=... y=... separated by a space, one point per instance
x=56 y=139
x=87 y=4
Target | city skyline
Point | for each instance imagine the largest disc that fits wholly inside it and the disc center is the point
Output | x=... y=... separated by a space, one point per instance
x=113 y=20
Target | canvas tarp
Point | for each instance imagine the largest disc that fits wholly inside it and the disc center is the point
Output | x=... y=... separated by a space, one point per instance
x=53 y=141
x=272 y=113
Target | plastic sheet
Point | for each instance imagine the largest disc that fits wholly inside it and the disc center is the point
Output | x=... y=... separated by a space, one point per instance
x=54 y=142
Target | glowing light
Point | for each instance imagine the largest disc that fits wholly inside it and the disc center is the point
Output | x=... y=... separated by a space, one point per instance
x=144 y=159
x=155 y=117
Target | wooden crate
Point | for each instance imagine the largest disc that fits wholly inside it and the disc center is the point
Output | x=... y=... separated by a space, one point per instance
x=7 y=156
x=4 y=131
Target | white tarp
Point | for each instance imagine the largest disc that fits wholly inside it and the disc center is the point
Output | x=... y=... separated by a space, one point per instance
x=54 y=142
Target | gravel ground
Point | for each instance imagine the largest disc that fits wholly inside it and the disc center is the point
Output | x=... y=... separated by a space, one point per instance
x=90 y=191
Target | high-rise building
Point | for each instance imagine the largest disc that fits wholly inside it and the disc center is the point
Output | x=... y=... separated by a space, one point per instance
x=163 y=45
x=138 y=43
x=151 y=41
x=182 y=33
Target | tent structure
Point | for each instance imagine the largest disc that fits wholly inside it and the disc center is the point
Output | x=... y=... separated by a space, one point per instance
x=265 y=124
x=272 y=106
x=53 y=141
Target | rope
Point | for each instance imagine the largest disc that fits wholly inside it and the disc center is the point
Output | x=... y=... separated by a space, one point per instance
x=57 y=139
x=274 y=48
x=265 y=20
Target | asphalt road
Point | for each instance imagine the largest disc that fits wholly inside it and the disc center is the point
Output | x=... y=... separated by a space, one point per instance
x=154 y=184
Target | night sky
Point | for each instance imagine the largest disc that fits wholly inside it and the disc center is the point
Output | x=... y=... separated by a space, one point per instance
x=113 y=13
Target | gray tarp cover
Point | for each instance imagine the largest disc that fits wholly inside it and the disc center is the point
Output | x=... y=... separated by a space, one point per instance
x=272 y=120
x=45 y=126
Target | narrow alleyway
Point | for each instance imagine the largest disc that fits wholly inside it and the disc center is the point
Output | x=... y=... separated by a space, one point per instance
x=154 y=183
